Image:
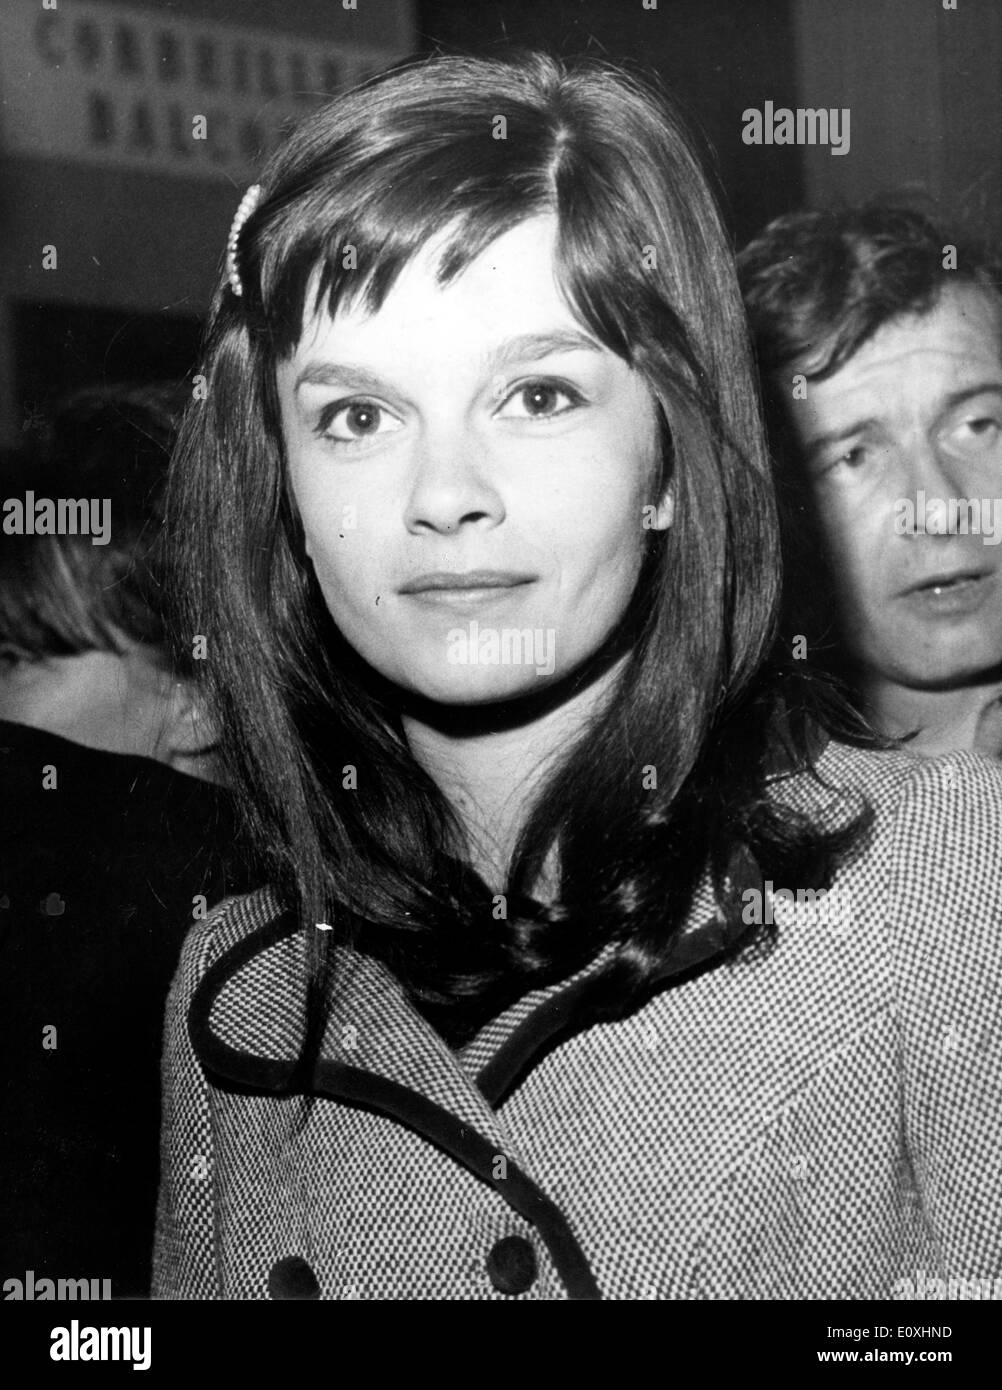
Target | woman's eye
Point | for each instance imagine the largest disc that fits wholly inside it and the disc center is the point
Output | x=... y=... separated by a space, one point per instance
x=538 y=400
x=352 y=421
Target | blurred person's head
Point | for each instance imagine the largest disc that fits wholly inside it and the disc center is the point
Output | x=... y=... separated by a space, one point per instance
x=879 y=340
x=82 y=644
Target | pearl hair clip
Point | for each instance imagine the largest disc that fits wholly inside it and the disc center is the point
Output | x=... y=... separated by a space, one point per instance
x=248 y=203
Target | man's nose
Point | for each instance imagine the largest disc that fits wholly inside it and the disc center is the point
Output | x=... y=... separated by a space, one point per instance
x=931 y=469
x=451 y=483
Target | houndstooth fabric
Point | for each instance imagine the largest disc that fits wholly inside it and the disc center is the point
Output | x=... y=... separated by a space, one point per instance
x=817 y=1118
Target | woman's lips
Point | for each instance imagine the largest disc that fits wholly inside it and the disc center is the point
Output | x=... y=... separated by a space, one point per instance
x=954 y=595
x=465 y=591
x=472 y=598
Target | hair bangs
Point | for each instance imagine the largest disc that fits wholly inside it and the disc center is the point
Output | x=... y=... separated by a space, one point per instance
x=319 y=256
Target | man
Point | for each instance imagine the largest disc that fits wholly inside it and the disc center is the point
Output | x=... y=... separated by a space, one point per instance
x=880 y=345
x=112 y=840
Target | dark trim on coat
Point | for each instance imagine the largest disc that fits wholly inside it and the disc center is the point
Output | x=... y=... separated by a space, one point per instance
x=564 y=1014
x=475 y=1153
x=335 y=1080
x=552 y=1021
x=259 y=1073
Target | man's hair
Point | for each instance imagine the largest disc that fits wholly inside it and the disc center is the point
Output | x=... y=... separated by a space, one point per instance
x=818 y=285
x=61 y=595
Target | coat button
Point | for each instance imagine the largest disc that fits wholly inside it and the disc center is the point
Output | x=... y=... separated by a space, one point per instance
x=292 y=1277
x=511 y=1264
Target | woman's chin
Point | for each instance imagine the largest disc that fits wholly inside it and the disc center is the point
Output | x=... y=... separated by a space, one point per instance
x=464 y=686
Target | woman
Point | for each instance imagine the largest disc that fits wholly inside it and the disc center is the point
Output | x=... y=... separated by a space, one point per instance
x=478 y=530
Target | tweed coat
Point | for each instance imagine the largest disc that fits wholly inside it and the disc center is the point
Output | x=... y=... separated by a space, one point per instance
x=817 y=1116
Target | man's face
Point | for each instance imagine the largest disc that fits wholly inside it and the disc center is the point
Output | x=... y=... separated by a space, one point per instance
x=912 y=422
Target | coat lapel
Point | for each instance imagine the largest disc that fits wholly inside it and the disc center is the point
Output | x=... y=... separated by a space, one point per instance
x=246 y=1023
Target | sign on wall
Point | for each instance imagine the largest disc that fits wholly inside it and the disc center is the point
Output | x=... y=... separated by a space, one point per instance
x=106 y=84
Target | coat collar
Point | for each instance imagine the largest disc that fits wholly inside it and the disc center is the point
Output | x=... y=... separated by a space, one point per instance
x=247 y=1019
x=246 y=1022
x=377 y=1052
x=247 y=1016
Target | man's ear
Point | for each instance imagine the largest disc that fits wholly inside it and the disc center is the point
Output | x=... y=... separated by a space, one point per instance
x=190 y=736
x=183 y=731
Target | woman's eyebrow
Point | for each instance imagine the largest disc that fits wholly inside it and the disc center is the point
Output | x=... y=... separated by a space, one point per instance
x=342 y=374
x=529 y=347
x=526 y=347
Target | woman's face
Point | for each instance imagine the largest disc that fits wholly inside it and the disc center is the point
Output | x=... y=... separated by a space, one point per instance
x=471 y=468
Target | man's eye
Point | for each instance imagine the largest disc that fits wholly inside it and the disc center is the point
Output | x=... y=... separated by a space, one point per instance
x=976 y=436
x=835 y=461
x=349 y=422
x=540 y=400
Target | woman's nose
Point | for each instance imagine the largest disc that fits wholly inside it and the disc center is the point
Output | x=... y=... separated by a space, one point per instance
x=452 y=485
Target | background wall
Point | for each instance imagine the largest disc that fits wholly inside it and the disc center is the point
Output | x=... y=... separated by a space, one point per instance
x=924 y=85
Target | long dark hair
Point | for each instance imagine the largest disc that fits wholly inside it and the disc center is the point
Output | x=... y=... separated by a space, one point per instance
x=646 y=265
